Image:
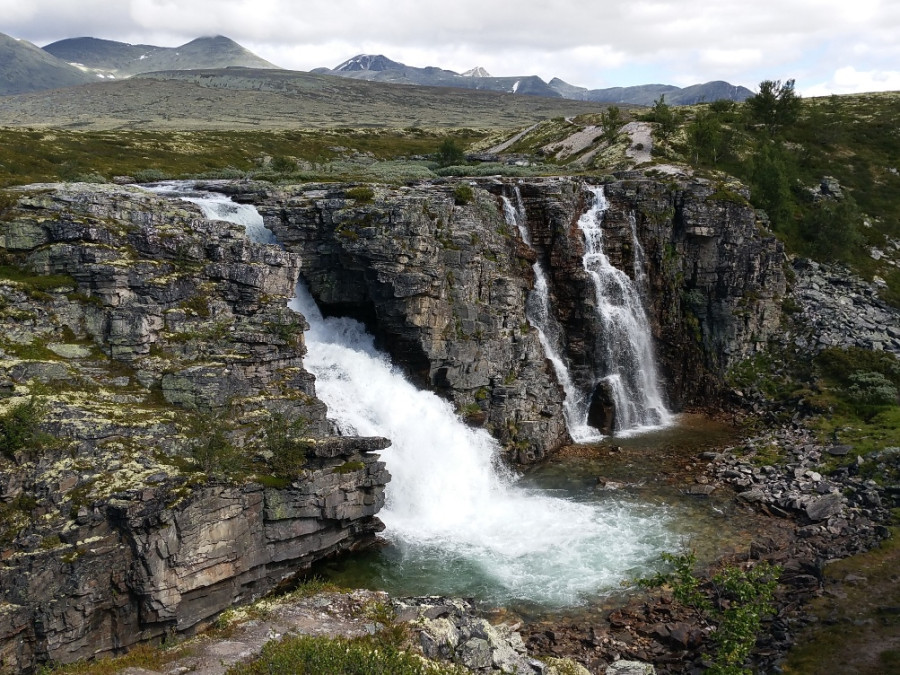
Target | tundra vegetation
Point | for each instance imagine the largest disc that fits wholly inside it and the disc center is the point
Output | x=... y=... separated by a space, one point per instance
x=734 y=602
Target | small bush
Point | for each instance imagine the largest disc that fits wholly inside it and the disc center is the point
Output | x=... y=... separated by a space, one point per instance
x=19 y=428
x=282 y=439
x=741 y=598
x=872 y=389
x=150 y=176
x=210 y=448
x=198 y=305
x=362 y=193
x=282 y=164
x=463 y=194
x=449 y=153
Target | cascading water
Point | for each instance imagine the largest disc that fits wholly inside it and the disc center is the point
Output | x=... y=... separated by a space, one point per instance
x=630 y=366
x=539 y=315
x=457 y=522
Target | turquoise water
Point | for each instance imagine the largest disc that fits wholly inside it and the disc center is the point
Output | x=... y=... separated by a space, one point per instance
x=647 y=513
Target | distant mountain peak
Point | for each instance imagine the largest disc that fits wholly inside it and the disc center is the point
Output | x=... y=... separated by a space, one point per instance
x=110 y=59
x=372 y=62
x=477 y=71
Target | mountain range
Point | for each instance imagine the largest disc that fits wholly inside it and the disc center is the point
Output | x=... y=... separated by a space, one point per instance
x=25 y=68
x=379 y=68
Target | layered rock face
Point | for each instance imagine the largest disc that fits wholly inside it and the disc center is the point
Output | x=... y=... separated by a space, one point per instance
x=443 y=282
x=443 y=285
x=712 y=279
x=147 y=358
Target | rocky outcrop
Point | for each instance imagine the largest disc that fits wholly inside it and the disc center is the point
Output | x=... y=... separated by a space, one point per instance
x=451 y=630
x=170 y=457
x=442 y=284
x=834 y=308
x=442 y=279
x=163 y=453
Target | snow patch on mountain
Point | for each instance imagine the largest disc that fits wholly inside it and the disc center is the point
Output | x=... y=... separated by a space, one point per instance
x=477 y=71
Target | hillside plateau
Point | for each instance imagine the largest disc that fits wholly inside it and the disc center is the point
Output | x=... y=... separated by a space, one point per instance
x=251 y=99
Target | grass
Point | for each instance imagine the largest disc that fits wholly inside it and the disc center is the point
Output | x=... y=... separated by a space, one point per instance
x=857 y=627
x=29 y=156
x=144 y=656
x=35 y=282
x=313 y=655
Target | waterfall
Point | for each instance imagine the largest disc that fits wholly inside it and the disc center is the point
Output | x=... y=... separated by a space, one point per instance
x=539 y=315
x=451 y=506
x=631 y=375
x=626 y=340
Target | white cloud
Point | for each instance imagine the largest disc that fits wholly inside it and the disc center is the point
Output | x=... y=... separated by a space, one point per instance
x=587 y=42
x=849 y=80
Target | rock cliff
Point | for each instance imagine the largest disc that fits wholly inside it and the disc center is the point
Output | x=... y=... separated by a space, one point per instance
x=442 y=279
x=442 y=284
x=162 y=453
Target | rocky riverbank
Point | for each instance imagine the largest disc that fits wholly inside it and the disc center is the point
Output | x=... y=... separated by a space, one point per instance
x=808 y=519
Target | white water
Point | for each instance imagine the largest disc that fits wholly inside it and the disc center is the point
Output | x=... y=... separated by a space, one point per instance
x=448 y=501
x=451 y=510
x=539 y=315
x=630 y=364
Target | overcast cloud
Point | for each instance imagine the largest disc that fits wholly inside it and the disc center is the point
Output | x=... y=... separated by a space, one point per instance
x=826 y=45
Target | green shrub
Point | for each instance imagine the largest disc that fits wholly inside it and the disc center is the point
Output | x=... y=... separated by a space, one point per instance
x=463 y=194
x=449 y=153
x=399 y=171
x=19 y=428
x=210 y=448
x=741 y=598
x=90 y=177
x=362 y=193
x=684 y=583
x=840 y=365
x=745 y=597
x=282 y=440
x=872 y=389
x=283 y=164
x=198 y=305
x=150 y=176
x=831 y=230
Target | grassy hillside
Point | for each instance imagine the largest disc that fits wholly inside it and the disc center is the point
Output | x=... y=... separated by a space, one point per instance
x=854 y=139
x=29 y=156
x=248 y=99
x=25 y=67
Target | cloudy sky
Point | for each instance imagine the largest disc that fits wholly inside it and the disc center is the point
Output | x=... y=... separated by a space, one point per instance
x=828 y=46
